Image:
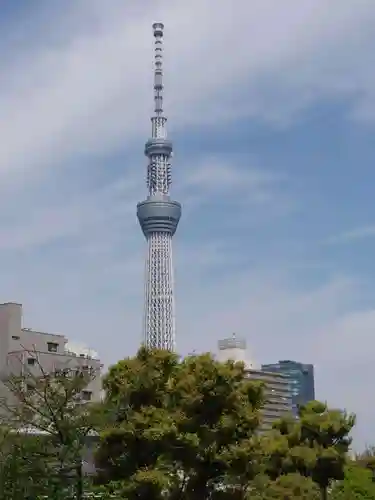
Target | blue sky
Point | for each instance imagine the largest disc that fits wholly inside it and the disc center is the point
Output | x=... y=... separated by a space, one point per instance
x=272 y=113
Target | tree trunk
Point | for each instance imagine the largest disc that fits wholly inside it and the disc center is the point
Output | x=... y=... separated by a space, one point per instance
x=79 y=484
x=323 y=493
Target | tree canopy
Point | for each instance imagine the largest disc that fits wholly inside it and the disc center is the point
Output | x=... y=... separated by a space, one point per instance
x=357 y=484
x=315 y=445
x=180 y=426
x=174 y=428
x=189 y=428
x=45 y=426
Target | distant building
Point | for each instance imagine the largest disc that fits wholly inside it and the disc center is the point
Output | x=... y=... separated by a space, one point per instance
x=235 y=349
x=23 y=350
x=301 y=377
x=277 y=393
x=277 y=396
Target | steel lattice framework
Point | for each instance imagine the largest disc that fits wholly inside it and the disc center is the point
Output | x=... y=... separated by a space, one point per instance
x=158 y=216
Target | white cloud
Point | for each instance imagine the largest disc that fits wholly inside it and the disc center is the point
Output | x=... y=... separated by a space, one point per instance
x=36 y=222
x=358 y=233
x=214 y=174
x=81 y=90
x=214 y=181
x=89 y=91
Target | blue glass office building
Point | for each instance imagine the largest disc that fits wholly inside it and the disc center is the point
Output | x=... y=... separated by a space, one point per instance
x=301 y=378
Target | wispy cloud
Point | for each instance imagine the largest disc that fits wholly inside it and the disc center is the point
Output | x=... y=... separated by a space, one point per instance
x=87 y=90
x=213 y=179
x=215 y=174
x=34 y=224
x=353 y=235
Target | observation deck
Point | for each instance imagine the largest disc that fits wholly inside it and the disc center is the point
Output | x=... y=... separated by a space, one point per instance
x=158 y=146
x=158 y=214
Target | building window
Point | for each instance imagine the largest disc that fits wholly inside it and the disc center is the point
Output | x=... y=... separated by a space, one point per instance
x=86 y=395
x=15 y=337
x=31 y=361
x=52 y=346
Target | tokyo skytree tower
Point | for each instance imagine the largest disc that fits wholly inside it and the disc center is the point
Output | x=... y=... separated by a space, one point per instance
x=158 y=216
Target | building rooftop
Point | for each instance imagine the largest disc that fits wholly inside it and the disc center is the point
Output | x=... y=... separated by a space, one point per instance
x=30 y=330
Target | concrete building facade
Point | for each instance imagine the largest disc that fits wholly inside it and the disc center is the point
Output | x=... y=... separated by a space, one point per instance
x=23 y=351
x=277 y=396
x=301 y=379
x=277 y=389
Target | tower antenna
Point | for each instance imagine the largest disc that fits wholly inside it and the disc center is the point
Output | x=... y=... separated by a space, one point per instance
x=158 y=69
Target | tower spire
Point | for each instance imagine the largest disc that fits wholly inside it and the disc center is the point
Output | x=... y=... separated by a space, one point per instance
x=158 y=120
x=158 y=69
x=158 y=217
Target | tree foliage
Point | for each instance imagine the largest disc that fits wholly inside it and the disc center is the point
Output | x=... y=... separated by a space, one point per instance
x=367 y=459
x=315 y=445
x=286 y=487
x=358 y=484
x=46 y=426
x=173 y=429
x=180 y=427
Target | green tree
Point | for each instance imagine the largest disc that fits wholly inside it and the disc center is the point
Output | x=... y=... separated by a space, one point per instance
x=358 y=484
x=367 y=459
x=180 y=428
x=48 y=426
x=23 y=469
x=11 y=478
x=315 y=445
x=286 y=487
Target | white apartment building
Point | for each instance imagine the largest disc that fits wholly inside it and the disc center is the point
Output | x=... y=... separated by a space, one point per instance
x=20 y=346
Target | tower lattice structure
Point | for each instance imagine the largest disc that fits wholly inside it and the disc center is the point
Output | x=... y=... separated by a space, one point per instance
x=158 y=216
